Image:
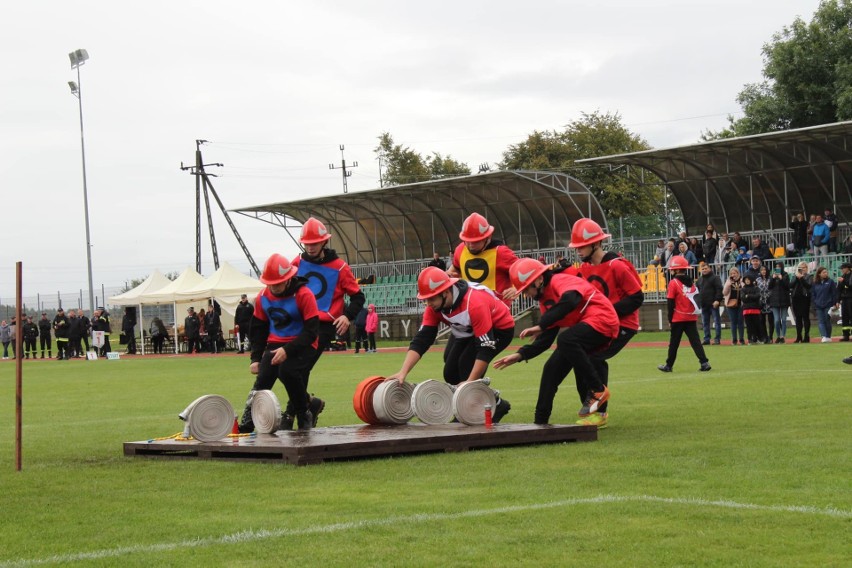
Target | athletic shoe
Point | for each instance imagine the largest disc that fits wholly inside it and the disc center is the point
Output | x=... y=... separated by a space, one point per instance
x=705 y=366
x=848 y=360
x=825 y=340
x=500 y=410
x=664 y=368
x=591 y=405
x=305 y=420
x=316 y=406
x=598 y=419
x=246 y=425
x=286 y=421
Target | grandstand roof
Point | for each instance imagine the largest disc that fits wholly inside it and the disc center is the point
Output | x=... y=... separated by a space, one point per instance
x=755 y=182
x=529 y=210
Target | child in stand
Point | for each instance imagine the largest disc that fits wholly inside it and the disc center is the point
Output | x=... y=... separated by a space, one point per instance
x=750 y=296
x=683 y=314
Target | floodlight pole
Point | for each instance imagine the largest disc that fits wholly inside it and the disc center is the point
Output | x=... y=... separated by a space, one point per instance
x=78 y=58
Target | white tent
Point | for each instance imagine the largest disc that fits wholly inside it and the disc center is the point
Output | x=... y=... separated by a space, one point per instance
x=132 y=297
x=187 y=279
x=226 y=285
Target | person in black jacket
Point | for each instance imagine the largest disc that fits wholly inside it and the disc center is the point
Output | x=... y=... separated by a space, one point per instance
x=242 y=319
x=30 y=331
x=361 y=330
x=844 y=292
x=192 y=331
x=86 y=326
x=128 y=329
x=100 y=322
x=75 y=333
x=779 y=300
x=750 y=296
x=213 y=325
x=710 y=298
x=800 y=296
x=60 y=330
x=44 y=329
x=800 y=233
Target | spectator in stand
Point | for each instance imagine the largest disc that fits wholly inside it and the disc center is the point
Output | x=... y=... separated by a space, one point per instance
x=438 y=261
x=242 y=319
x=709 y=247
x=731 y=254
x=752 y=268
x=824 y=297
x=821 y=237
x=844 y=293
x=779 y=301
x=682 y=315
x=733 y=304
x=760 y=249
x=767 y=326
x=800 y=296
x=800 y=233
x=811 y=223
x=683 y=248
x=847 y=246
x=361 y=331
x=697 y=249
x=372 y=327
x=710 y=298
x=721 y=248
x=830 y=220
x=740 y=240
x=750 y=295
x=658 y=252
x=668 y=253
x=44 y=329
x=192 y=331
x=681 y=238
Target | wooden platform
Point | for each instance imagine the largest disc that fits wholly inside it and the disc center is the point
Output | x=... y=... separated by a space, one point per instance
x=348 y=442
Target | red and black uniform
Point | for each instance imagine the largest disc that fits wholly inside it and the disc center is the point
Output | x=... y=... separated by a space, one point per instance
x=330 y=279
x=289 y=321
x=617 y=278
x=683 y=313
x=489 y=267
x=570 y=302
x=480 y=323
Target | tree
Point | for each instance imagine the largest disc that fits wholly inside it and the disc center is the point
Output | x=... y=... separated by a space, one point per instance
x=403 y=165
x=620 y=193
x=807 y=76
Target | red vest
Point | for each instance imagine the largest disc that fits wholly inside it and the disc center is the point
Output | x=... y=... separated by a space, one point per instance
x=594 y=309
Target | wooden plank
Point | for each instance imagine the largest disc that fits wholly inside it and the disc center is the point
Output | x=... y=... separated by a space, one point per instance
x=349 y=442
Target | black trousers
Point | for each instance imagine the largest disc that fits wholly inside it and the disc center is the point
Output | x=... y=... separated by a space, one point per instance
x=846 y=321
x=45 y=339
x=678 y=330
x=573 y=351
x=372 y=337
x=292 y=373
x=30 y=346
x=802 y=315
x=360 y=337
x=327 y=334
x=460 y=356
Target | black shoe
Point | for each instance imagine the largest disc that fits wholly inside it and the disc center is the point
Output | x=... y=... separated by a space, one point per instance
x=502 y=409
x=848 y=360
x=316 y=406
x=286 y=421
x=305 y=420
x=246 y=425
x=705 y=366
x=806 y=339
x=798 y=340
x=664 y=368
x=705 y=342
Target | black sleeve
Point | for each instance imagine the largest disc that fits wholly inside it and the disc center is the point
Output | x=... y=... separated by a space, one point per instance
x=310 y=330
x=670 y=305
x=629 y=304
x=542 y=343
x=258 y=334
x=356 y=303
x=719 y=296
x=424 y=339
x=567 y=303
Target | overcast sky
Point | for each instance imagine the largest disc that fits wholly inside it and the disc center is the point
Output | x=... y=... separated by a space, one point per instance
x=276 y=87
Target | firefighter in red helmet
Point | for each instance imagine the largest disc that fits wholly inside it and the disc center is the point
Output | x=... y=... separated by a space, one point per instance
x=482 y=259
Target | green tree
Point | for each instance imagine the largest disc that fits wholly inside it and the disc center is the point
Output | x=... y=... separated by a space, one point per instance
x=400 y=164
x=621 y=192
x=807 y=76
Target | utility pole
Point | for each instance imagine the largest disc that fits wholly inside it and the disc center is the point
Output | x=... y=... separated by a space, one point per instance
x=344 y=169
x=203 y=184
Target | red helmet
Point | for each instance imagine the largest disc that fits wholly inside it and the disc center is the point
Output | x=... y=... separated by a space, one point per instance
x=475 y=228
x=678 y=263
x=277 y=270
x=432 y=281
x=313 y=231
x=586 y=232
x=524 y=272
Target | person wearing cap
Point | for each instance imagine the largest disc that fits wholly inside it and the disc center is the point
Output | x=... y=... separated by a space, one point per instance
x=844 y=293
x=616 y=278
x=579 y=318
x=284 y=338
x=192 y=331
x=779 y=300
x=481 y=324
x=371 y=327
x=752 y=268
x=60 y=330
x=30 y=331
x=683 y=312
x=331 y=280
x=100 y=322
x=242 y=320
x=45 y=339
x=482 y=259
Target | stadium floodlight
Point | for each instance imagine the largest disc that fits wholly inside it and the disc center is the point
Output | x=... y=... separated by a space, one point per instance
x=78 y=58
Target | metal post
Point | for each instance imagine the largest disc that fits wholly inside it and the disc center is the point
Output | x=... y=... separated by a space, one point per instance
x=77 y=61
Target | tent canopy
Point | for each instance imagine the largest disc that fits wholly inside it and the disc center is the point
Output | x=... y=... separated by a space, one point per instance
x=154 y=282
x=189 y=278
x=226 y=285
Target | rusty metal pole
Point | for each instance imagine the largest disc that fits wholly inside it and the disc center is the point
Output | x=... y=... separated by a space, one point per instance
x=19 y=365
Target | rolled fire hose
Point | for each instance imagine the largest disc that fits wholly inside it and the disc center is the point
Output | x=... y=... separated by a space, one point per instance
x=432 y=402
x=469 y=402
x=392 y=402
x=266 y=412
x=209 y=418
x=362 y=401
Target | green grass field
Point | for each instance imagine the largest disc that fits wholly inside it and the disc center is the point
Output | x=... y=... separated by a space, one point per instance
x=748 y=465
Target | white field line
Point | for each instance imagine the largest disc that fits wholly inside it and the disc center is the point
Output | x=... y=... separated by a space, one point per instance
x=267 y=534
